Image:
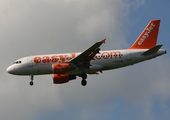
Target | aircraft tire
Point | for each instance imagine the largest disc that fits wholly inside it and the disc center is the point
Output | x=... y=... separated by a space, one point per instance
x=83 y=82
x=84 y=76
x=31 y=83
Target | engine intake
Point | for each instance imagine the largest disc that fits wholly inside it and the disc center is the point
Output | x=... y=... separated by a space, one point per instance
x=61 y=68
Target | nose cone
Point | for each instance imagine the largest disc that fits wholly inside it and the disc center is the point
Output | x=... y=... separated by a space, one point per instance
x=10 y=70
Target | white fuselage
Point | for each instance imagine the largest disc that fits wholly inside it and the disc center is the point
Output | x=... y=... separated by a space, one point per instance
x=105 y=60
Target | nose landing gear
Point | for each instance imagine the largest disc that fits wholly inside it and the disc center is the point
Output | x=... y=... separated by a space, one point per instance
x=31 y=82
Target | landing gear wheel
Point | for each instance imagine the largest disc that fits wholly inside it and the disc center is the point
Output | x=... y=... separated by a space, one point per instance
x=32 y=78
x=31 y=83
x=83 y=82
x=84 y=76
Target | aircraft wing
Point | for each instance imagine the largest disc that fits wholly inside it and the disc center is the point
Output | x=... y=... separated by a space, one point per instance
x=85 y=57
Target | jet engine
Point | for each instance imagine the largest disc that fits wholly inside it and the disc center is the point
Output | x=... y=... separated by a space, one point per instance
x=62 y=78
x=61 y=68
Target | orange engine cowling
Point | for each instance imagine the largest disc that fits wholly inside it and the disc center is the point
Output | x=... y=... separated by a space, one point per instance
x=62 y=78
x=61 y=68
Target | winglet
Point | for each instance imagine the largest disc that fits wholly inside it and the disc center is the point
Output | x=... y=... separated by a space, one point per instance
x=148 y=38
x=104 y=41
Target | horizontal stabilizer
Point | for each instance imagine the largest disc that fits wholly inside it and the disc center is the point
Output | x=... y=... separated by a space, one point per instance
x=152 y=50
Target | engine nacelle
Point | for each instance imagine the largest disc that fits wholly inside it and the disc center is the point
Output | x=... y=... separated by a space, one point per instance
x=61 y=68
x=62 y=78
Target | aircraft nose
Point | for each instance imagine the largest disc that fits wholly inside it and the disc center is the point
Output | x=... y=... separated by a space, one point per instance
x=10 y=70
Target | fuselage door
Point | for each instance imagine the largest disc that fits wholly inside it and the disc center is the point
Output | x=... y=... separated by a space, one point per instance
x=128 y=55
x=29 y=62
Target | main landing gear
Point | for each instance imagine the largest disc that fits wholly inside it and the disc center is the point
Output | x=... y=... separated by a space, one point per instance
x=84 y=77
x=31 y=82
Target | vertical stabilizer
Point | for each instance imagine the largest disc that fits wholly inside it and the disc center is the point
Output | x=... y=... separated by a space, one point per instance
x=148 y=38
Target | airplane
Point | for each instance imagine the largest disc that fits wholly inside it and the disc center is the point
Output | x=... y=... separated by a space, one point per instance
x=68 y=66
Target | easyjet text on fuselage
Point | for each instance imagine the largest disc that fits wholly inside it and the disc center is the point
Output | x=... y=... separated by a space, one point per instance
x=69 y=57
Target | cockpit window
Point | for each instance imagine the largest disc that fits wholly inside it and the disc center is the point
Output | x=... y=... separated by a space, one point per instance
x=17 y=62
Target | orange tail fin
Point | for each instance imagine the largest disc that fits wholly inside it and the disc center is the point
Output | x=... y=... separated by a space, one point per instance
x=148 y=38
